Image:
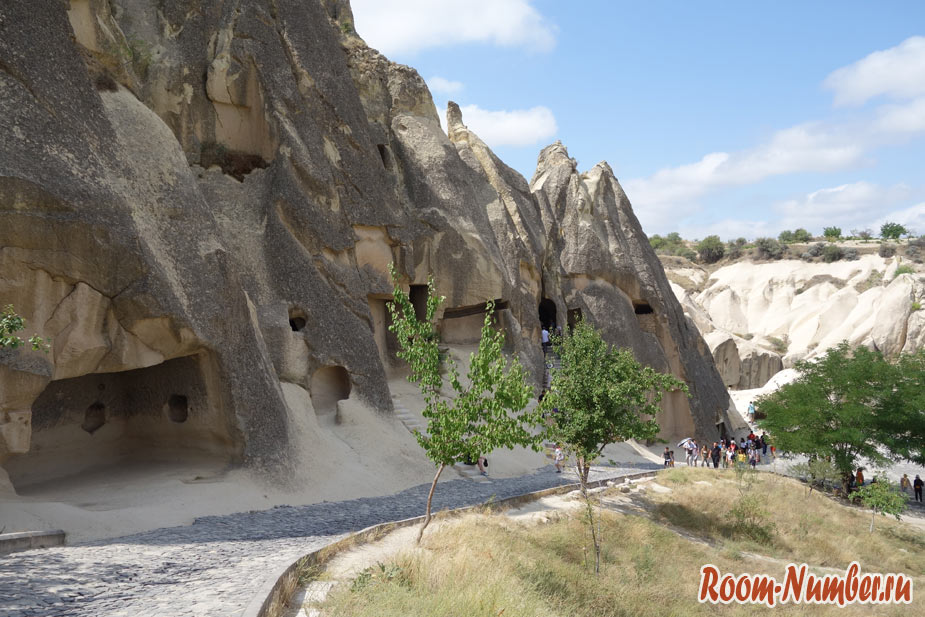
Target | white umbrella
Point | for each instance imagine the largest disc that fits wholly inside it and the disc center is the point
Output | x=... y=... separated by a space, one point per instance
x=683 y=441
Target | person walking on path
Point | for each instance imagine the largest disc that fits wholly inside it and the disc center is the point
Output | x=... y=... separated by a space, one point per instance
x=904 y=484
x=667 y=455
x=560 y=457
x=545 y=338
x=715 y=454
x=859 y=477
x=704 y=455
x=917 y=485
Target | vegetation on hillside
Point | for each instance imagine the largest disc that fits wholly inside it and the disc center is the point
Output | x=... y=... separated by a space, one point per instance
x=489 y=565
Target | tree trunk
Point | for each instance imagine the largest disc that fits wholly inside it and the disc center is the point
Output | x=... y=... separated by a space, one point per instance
x=583 y=477
x=430 y=497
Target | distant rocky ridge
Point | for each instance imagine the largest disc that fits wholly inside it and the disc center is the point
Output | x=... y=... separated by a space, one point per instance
x=759 y=318
x=199 y=205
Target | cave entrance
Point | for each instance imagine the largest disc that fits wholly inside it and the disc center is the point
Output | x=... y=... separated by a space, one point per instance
x=418 y=297
x=297 y=320
x=329 y=385
x=573 y=317
x=109 y=423
x=547 y=311
x=462 y=325
x=645 y=315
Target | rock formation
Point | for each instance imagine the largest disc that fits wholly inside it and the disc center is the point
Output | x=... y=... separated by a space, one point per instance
x=199 y=204
x=759 y=318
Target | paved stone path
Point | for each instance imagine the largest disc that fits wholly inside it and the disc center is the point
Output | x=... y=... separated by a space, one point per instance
x=216 y=565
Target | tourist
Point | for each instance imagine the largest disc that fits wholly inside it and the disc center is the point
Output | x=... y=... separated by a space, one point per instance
x=560 y=457
x=715 y=454
x=545 y=337
x=904 y=484
x=751 y=412
x=753 y=457
x=671 y=459
x=691 y=448
x=667 y=455
x=917 y=485
x=483 y=465
x=764 y=443
x=704 y=455
x=859 y=477
x=728 y=456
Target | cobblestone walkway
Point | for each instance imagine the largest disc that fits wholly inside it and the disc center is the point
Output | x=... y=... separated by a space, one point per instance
x=216 y=565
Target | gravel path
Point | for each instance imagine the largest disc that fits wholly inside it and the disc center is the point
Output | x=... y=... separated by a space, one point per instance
x=216 y=565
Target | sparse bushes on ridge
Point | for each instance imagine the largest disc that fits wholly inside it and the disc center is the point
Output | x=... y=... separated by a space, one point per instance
x=892 y=231
x=832 y=252
x=672 y=244
x=887 y=250
x=711 y=249
x=768 y=248
x=815 y=250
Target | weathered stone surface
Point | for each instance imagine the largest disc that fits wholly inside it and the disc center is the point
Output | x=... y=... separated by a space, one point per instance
x=203 y=204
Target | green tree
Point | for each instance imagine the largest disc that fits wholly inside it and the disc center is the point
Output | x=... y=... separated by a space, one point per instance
x=850 y=405
x=785 y=237
x=817 y=472
x=711 y=249
x=601 y=395
x=801 y=235
x=10 y=324
x=768 y=248
x=891 y=231
x=832 y=233
x=474 y=418
x=881 y=496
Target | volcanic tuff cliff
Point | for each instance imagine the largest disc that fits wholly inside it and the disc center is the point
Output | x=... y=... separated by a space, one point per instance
x=199 y=203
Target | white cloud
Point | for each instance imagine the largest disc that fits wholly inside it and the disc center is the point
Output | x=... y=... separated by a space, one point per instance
x=849 y=206
x=912 y=218
x=408 y=26
x=517 y=127
x=442 y=85
x=905 y=118
x=671 y=193
x=898 y=72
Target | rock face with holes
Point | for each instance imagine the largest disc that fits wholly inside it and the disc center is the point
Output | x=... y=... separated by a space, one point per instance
x=199 y=208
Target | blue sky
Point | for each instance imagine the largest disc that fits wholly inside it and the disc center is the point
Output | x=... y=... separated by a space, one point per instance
x=735 y=118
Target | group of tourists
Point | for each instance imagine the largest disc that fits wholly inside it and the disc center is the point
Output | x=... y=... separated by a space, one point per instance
x=906 y=486
x=725 y=452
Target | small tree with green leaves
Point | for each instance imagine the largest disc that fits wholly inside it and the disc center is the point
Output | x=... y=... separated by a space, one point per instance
x=891 y=231
x=474 y=418
x=832 y=233
x=818 y=472
x=801 y=235
x=711 y=249
x=10 y=324
x=881 y=496
x=601 y=395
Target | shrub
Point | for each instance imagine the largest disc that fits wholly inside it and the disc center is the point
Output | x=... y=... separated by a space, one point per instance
x=887 y=250
x=816 y=249
x=832 y=233
x=891 y=231
x=768 y=248
x=801 y=235
x=779 y=345
x=785 y=237
x=904 y=269
x=711 y=249
x=863 y=234
x=832 y=252
x=806 y=256
x=851 y=254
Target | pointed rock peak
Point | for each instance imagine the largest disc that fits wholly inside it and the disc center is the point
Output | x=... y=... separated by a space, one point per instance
x=554 y=155
x=454 y=121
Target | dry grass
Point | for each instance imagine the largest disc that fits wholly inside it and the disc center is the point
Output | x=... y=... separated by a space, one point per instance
x=811 y=528
x=489 y=565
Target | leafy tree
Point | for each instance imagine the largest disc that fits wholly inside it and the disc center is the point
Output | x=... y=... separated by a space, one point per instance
x=601 y=395
x=768 y=248
x=832 y=233
x=851 y=405
x=801 y=235
x=891 y=231
x=785 y=237
x=10 y=324
x=473 y=419
x=881 y=496
x=711 y=249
